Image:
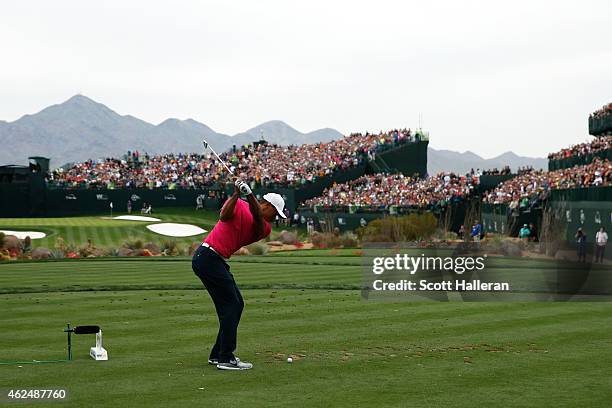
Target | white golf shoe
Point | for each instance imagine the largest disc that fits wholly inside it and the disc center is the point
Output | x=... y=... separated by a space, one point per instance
x=235 y=364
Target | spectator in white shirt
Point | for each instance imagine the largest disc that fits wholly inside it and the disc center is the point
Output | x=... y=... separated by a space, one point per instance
x=601 y=239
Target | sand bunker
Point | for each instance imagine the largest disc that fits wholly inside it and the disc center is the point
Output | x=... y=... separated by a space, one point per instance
x=23 y=234
x=176 y=230
x=135 y=218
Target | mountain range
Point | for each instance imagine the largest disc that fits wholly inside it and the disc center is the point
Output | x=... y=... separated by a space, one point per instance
x=448 y=160
x=81 y=128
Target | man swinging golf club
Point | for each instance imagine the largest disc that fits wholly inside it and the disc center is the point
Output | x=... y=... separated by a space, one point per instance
x=240 y=224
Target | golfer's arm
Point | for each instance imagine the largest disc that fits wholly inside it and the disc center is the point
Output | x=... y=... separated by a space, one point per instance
x=257 y=215
x=227 y=211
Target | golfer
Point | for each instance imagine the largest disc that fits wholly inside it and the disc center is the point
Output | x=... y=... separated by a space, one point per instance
x=240 y=224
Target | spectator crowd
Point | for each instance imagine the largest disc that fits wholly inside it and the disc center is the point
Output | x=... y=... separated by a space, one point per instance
x=385 y=190
x=537 y=184
x=496 y=172
x=605 y=111
x=596 y=145
x=263 y=164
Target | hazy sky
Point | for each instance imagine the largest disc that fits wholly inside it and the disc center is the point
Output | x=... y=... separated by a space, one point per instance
x=487 y=76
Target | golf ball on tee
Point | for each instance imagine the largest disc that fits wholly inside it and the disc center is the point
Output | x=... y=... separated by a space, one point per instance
x=289 y=360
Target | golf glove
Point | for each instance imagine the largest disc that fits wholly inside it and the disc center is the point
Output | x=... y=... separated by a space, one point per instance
x=244 y=188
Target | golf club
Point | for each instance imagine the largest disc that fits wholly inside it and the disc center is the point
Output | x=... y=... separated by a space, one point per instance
x=206 y=145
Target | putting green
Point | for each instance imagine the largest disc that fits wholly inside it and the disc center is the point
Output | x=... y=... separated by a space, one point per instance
x=158 y=324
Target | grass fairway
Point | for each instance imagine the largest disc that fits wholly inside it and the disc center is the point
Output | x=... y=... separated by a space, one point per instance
x=158 y=325
x=105 y=232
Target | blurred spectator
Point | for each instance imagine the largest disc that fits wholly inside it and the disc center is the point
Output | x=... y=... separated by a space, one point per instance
x=601 y=239
x=533 y=234
x=496 y=172
x=461 y=232
x=581 y=239
x=476 y=233
x=524 y=233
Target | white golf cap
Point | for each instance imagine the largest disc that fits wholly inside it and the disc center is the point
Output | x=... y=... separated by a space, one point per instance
x=277 y=201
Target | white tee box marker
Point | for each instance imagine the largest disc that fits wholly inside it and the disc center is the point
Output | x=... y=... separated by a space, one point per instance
x=98 y=352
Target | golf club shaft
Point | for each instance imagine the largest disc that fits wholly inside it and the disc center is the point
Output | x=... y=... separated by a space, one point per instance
x=217 y=156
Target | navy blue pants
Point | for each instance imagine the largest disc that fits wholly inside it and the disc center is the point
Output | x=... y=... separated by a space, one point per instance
x=215 y=274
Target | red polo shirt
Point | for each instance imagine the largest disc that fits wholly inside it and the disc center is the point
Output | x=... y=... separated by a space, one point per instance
x=229 y=236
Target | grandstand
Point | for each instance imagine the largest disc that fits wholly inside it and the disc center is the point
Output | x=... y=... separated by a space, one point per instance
x=577 y=189
x=177 y=179
x=600 y=121
x=583 y=153
x=579 y=181
x=261 y=164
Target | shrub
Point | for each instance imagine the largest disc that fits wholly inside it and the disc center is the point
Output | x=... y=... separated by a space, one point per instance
x=413 y=227
x=152 y=248
x=242 y=251
x=170 y=247
x=133 y=244
x=27 y=244
x=60 y=244
x=178 y=250
x=334 y=240
x=4 y=255
x=349 y=240
x=2 y=235
x=57 y=253
x=324 y=240
x=511 y=248
x=441 y=234
x=86 y=251
x=493 y=244
x=71 y=248
x=258 y=248
x=111 y=252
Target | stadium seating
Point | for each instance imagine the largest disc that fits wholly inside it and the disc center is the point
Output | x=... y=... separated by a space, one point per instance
x=383 y=190
x=263 y=165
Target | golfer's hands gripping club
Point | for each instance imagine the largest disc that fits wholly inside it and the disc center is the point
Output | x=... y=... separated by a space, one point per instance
x=243 y=187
